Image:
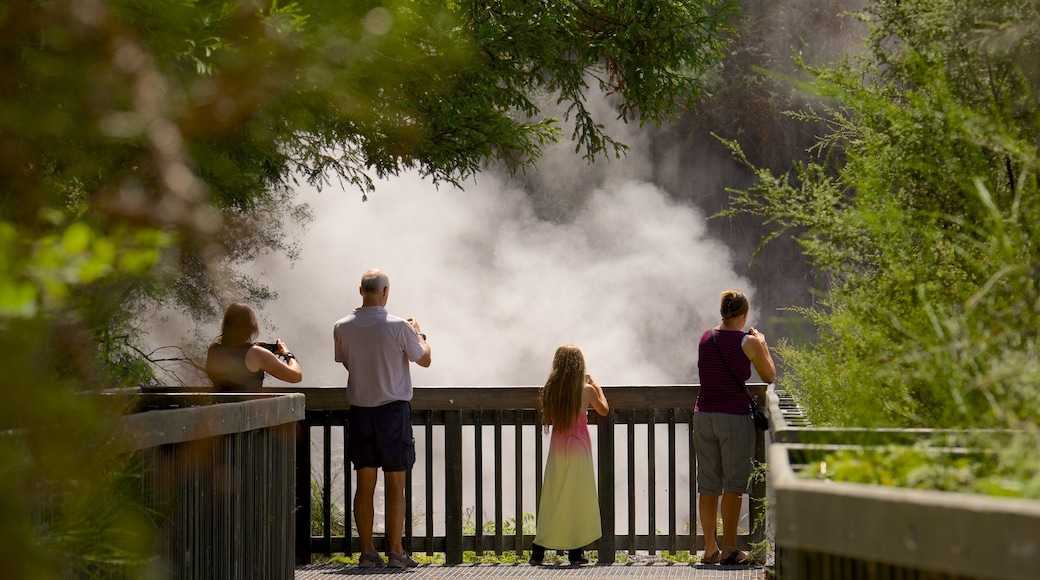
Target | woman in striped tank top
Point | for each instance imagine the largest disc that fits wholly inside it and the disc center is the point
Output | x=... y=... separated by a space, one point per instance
x=723 y=431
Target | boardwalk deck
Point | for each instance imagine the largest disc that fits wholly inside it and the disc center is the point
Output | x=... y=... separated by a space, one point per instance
x=627 y=571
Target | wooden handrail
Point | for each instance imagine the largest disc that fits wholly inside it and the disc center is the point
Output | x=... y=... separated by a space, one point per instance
x=625 y=397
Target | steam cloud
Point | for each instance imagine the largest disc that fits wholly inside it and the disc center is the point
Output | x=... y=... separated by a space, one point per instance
x=498 y=276
x=503 y=271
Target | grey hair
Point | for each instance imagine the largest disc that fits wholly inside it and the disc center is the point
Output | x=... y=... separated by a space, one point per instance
x=374 y=281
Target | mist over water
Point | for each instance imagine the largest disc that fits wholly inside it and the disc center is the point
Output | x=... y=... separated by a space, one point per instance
x=500 y=273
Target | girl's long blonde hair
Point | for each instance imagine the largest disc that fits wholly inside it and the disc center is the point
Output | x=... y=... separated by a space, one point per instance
x=561 y=396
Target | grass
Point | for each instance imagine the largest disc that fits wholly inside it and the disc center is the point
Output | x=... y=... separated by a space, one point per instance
x=507 y=557
x=470 y=557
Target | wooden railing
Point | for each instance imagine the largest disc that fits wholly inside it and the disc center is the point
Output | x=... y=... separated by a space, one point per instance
x=854 y=531
x=217 y=471
x=459 y=424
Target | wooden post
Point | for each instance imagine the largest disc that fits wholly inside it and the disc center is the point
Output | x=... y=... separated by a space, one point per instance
x=605 y=433
x=303 y=493
x=452 y=488
x=757 y=499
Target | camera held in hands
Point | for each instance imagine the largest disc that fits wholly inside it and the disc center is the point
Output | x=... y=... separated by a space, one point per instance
x=271 y=346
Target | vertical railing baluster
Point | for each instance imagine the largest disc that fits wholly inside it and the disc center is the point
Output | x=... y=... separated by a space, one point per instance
x=408 y=542
x=453 y=487
x=326 y=492
x=695 y=543
x=607 y=545
x=478 y=471
x=518 y=488
x=428 y=443
x=539 y=450
x=651 y=484
x=303 y=491
x=672 y=507
x=631 y=428
x=348 y=488
x=499 y=538
x=756 y=509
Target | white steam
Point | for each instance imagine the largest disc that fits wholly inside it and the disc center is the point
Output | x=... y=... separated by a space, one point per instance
x=631 y=279
x=500 y=273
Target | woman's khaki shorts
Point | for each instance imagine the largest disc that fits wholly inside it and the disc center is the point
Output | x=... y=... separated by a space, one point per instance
x=724 y=445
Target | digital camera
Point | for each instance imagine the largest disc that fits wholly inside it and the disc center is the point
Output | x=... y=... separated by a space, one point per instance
x=271 y=346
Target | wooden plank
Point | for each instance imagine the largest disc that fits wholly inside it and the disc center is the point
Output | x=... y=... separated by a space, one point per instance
x=605 y=436
x=478 y=471
x=452 y=489
x=631 y=440
x=508 y=398
x=428 y=425
x=348 y=487
x=499 y=537
x=489 y=398
x=303 y=493
x=539 y=446
x=651 y=484
x=696 y=541
x=326 y=490
x=518 y=488
x=672 y=504
x=408 y=542
x=757 y=498
x=190 y=418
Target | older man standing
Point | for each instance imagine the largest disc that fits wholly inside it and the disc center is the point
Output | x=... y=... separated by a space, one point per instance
x=375 y=347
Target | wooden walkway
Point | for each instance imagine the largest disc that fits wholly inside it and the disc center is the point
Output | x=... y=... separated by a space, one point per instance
x=649 y=571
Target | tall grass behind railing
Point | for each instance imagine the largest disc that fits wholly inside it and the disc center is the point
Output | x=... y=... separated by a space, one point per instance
x=477 y=477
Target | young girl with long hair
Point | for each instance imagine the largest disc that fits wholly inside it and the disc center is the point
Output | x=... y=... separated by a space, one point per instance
x=568 y=512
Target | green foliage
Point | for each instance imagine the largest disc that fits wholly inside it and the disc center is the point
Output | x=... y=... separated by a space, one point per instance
x=922 y=216
x=507 y=557
x=150 y=148
x=901 y=466
x=679 y=557
x=921 y=213
x=469 y=527
x=338 y=524
x=77 y=501
x=105 y=524
x=979 y=468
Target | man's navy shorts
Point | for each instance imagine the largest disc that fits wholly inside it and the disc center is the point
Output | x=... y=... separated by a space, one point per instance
x=382 y=437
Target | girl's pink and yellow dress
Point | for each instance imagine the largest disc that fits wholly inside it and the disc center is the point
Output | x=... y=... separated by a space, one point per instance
x=568 y=511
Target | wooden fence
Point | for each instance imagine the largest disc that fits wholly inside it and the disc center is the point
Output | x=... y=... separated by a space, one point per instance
x=484 y=418
x=218 y=469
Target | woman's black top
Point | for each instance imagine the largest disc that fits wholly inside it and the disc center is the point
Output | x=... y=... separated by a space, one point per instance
x=226 y=367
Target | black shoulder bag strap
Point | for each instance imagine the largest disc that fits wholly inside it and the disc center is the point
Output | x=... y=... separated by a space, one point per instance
x=754 y=405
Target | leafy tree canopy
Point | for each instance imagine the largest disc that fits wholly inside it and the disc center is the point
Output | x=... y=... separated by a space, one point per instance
x=146 y=141
x=148 y=147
